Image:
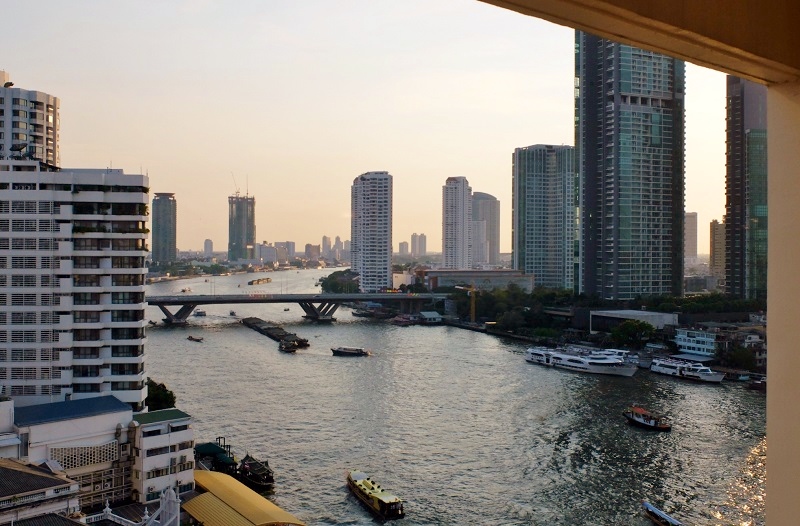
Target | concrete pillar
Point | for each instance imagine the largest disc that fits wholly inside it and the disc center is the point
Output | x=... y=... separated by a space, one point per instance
x=783 y=305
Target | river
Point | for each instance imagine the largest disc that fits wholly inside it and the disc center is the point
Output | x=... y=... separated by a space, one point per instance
x=455 y=422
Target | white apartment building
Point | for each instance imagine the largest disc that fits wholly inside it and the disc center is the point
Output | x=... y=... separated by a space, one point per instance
x=692 y=341
x=163 y=453
x=371 y=230
x=29 y=124
x=457 y=224
x=72 y=275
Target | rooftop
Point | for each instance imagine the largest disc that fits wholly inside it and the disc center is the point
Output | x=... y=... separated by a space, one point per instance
x=69 y=410
x=18 y=477
x=162 y=415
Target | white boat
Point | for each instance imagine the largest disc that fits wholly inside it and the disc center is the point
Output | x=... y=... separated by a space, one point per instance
x=581 y=361
x=684 y=369
x=199 y=312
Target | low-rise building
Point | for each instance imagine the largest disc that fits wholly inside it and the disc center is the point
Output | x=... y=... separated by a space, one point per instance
x=606 y=320
x=30 y=491
x=702 y=343
x=480 y=279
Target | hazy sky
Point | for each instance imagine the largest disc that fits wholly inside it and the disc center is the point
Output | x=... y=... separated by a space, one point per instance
x=290 y=100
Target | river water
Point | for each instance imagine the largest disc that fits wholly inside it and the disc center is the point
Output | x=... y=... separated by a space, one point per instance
x=455 y=422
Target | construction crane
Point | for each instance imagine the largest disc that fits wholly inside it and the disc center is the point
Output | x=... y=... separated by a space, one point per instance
x=472 y=293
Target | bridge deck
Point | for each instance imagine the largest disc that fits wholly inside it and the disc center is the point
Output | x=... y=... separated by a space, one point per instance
x=218 y=299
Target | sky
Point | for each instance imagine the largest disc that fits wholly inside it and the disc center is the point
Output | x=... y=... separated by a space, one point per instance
x=289 y=101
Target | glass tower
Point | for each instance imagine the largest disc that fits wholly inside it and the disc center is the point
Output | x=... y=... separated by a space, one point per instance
x=165 y=214
x=629 y=137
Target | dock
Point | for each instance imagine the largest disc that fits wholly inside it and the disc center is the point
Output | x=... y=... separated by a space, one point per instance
x=274 y=332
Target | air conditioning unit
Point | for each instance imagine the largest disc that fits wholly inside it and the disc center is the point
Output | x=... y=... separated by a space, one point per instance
x=107 y=485
x=98 y=487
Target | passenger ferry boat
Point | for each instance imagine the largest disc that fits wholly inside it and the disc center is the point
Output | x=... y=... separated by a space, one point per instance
x=684 y=369
x=581 y=361
x=381 y=502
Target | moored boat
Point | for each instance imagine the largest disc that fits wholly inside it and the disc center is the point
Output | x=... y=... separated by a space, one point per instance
x=581 y=361
x=684 y=369
x=658 y=516
x=349 y=351
x=381 y=502
x=256 y=473
x=217 y=456
x=639 y=416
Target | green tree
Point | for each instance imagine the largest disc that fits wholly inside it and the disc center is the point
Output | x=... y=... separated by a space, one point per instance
x=158 y=396
x=632 y=333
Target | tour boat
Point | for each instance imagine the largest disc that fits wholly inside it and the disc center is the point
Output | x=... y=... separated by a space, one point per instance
x=381 y=502
x=581 y=361
x=658 y=516
x=349 y=351
x=639 y=416
x=684 y=369
x=256 y=473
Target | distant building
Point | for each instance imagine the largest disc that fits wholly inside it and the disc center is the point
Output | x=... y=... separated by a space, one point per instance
x=717 y=251
x=543 y=214
x=29 y=129
x=457 y=224
x=371 y=230
x=606 y=320
x=486 y=208
x=266 y=254
x=326 y=246
x=629 y=147
x=74 y=286
x=419 y=244
x=746 y=189
x=208 y=248
x=313 y=252
x=690 y=236
x=165 y=227
x=241 y=227
x=403 y=248
x=480 y=244
x=289 y=246
x=480 y=279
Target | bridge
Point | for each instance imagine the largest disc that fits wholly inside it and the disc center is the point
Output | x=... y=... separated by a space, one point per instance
x=317 y=307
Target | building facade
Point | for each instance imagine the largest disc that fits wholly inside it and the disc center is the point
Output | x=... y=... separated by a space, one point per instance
x=72 y=276
x=690 y=236
x=629 y=137
x=403 y=249
x=208 y=248
x=543 y=214
x=419 y=245
x=371 y=230
x=746 y=189
x=165 y=228
x=486 y=208
x=241 y=227
x=29 y=124
x=716 y=262
x=457 y=224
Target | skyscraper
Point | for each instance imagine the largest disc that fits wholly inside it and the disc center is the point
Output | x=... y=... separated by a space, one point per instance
x=371 y=230
x=629 y=137
x=241 y=227
x=73 y=274
x=717 y=251
x=457 y=224
x=208 y=248
x=746 y=189
x=30 y=125
x=403 y=248
x=543 y=214
x=326 y=246
x=690 y=236
x=486 y=208
x=165 y=214
x=418 y=245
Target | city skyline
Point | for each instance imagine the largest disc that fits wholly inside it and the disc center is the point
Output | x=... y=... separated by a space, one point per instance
x=458 y=86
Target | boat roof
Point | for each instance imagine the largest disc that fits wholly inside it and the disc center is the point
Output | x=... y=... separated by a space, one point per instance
x=379 y=493
x=642 y=411
x=669 y=520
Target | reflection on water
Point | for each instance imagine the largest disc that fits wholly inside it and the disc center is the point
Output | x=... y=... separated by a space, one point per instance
x=455 y=422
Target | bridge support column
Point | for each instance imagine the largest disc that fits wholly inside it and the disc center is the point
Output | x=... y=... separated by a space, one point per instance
x=179 y=318
x=323 y=312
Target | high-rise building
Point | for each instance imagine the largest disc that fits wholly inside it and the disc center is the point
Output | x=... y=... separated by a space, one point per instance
x=690 y=236
x=208 y=248
x=746 y=189
x=418 y=245
x=486 y=208
x=29 y=127
x=457 y=224
x=543 y=214
x=629 y=138
x=326 y=246
x=165 y=216
x=716 y=262
x=241 y=227
x=371 y=230
x=480 y=245
x=73 y=272
x=403 y=248
x=288 y=245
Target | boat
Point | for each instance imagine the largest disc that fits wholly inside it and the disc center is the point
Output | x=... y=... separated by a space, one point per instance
x=758 y=382
x=194 y=339
x=382 y=503
x=199 y=312
x=232 y=313
x=582 y=361
x=255 y=473
x=287 y=346
x=658 y=516
x=684 y=369
x=151 y=322
x=286 y=309
x=639 y=416
x=349 y=351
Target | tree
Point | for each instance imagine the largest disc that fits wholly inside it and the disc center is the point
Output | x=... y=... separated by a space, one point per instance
x=158 y=396
x=632 y=333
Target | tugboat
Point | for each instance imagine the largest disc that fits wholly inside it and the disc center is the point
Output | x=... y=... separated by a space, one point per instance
x=639 y=416
x=287 y=346
x=349 y=351
x=217 y=456
x=385 y=505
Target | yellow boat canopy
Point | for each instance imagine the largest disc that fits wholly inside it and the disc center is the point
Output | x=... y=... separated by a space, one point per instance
x=228 y=502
